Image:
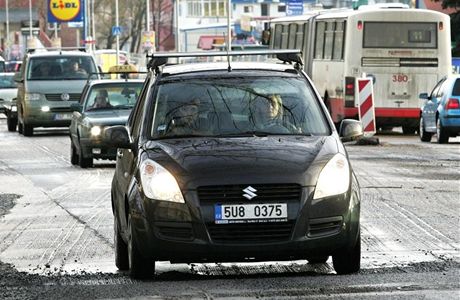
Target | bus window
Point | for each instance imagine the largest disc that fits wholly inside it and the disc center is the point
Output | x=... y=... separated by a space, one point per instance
x=329 y=40
x=338 y=41
x=299 y=36
x=292 y=37
x=277 y=36
x=284 y=37
x=400 y=35
x=319 y=43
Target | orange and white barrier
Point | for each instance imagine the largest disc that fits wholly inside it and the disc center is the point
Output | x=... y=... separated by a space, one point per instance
x=366 y=105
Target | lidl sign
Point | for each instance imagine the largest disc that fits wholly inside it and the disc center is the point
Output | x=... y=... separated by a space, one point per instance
x=61 y=11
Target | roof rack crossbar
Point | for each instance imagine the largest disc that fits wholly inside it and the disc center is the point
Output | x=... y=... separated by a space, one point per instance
x=286 y=55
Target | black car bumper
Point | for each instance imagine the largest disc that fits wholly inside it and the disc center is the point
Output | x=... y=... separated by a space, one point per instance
x=95 y=148
x=194 y=236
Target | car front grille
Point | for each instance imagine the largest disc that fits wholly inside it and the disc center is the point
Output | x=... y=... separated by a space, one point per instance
x=57 y=97
x=209 y=195
x=250 y=233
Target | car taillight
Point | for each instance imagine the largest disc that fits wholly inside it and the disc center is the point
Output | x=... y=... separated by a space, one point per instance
x=452 y=103
x=349 y=86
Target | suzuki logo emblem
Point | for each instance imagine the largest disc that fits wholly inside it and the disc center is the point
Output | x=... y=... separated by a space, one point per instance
x=249 y=193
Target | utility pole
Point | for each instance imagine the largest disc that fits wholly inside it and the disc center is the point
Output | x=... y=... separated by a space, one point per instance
x=29 y=42
x=147 y=23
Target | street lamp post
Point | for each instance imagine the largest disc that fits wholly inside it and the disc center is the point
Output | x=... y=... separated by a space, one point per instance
x=118 y=34
x=7 y=31
x=30 y=24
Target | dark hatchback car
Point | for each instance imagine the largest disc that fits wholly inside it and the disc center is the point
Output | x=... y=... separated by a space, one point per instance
x=103 y=103
x=231 y=164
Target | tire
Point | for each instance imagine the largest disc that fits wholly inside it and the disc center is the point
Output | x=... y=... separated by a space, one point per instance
x=85 y=162
x=20 y=128
x=73 y=154
x=424 y=136
x=12 y=124
x=121 y=249
x=139 y=267
x=317 y=259
x=28 y=130
x=347 y=260
x=442 y=136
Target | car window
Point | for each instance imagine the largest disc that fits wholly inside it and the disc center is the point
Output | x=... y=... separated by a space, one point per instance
x=435 y=91
x=60 y=68
x=456 y=88
x=7 y=82
x=135 y=120
x=112 y=96
x=237 y=105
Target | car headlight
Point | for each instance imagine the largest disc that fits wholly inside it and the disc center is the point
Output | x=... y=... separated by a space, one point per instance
x=14 y=108
x=96 y=130
x=45 y=109
x=334 y=178
x=31 y=97
x=158 y=183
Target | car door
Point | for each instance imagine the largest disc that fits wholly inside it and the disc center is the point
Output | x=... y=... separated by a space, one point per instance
x=127 y=158
x=77 y=118
x=431 y=105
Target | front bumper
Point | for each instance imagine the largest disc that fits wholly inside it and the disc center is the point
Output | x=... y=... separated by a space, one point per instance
x=56 y=117
x=188 y=233
x=95 y=148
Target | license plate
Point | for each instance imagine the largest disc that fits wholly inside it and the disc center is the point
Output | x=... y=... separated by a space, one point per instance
x=63 y=116
x=250 y=213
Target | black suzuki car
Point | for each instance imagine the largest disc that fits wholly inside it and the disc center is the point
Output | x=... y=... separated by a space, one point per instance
x=233 y=162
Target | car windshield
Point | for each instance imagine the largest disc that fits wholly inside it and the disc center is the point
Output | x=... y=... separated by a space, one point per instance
x=113 y=96
x=7 y=82
x=60 y=68
x=237 y=106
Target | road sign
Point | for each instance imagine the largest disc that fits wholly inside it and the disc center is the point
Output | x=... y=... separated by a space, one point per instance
x=60 y=11
x=294 y=7
x=116 y=30
x=366 y=105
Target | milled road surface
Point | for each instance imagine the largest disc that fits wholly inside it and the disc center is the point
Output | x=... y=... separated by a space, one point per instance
x=56 y=231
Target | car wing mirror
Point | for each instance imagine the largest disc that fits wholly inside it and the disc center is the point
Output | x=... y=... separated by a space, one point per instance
x=117 y=136
x=76 y=107
x=424 y=96
x=350 y=130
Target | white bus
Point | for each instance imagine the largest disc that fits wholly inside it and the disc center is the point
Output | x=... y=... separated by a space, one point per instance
x=405 y=50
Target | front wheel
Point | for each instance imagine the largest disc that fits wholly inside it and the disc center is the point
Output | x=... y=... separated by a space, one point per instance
x=28 y=130
x=424 y=136
x=85 y=162
x=348 y=260
x=441 y=134
x=409 y=129
x=73 y=154
x=121 y=249
x=139 y=267
x=11 y=123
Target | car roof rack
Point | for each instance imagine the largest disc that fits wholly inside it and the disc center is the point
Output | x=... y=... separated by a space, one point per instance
x=155 y=60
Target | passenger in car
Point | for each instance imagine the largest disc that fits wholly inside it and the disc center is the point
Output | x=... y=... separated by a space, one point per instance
x=185 y=120
x=101 y=100
x=267 y=114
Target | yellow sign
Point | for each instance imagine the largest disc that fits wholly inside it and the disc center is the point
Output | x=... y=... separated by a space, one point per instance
x=123 y=69
x=65 y=10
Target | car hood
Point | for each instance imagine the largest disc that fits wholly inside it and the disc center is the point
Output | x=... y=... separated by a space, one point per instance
x=55 y=86
x=107 y=117
x=8 y=95
x=199 y=162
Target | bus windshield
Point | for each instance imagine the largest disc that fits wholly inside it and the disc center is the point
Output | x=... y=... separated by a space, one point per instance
x=400 y=35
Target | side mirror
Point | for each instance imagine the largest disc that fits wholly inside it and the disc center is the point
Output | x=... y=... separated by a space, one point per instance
x=17 y=77
x=76 y=107
x=424 y=96
x=117 y=136
x=350 y=130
